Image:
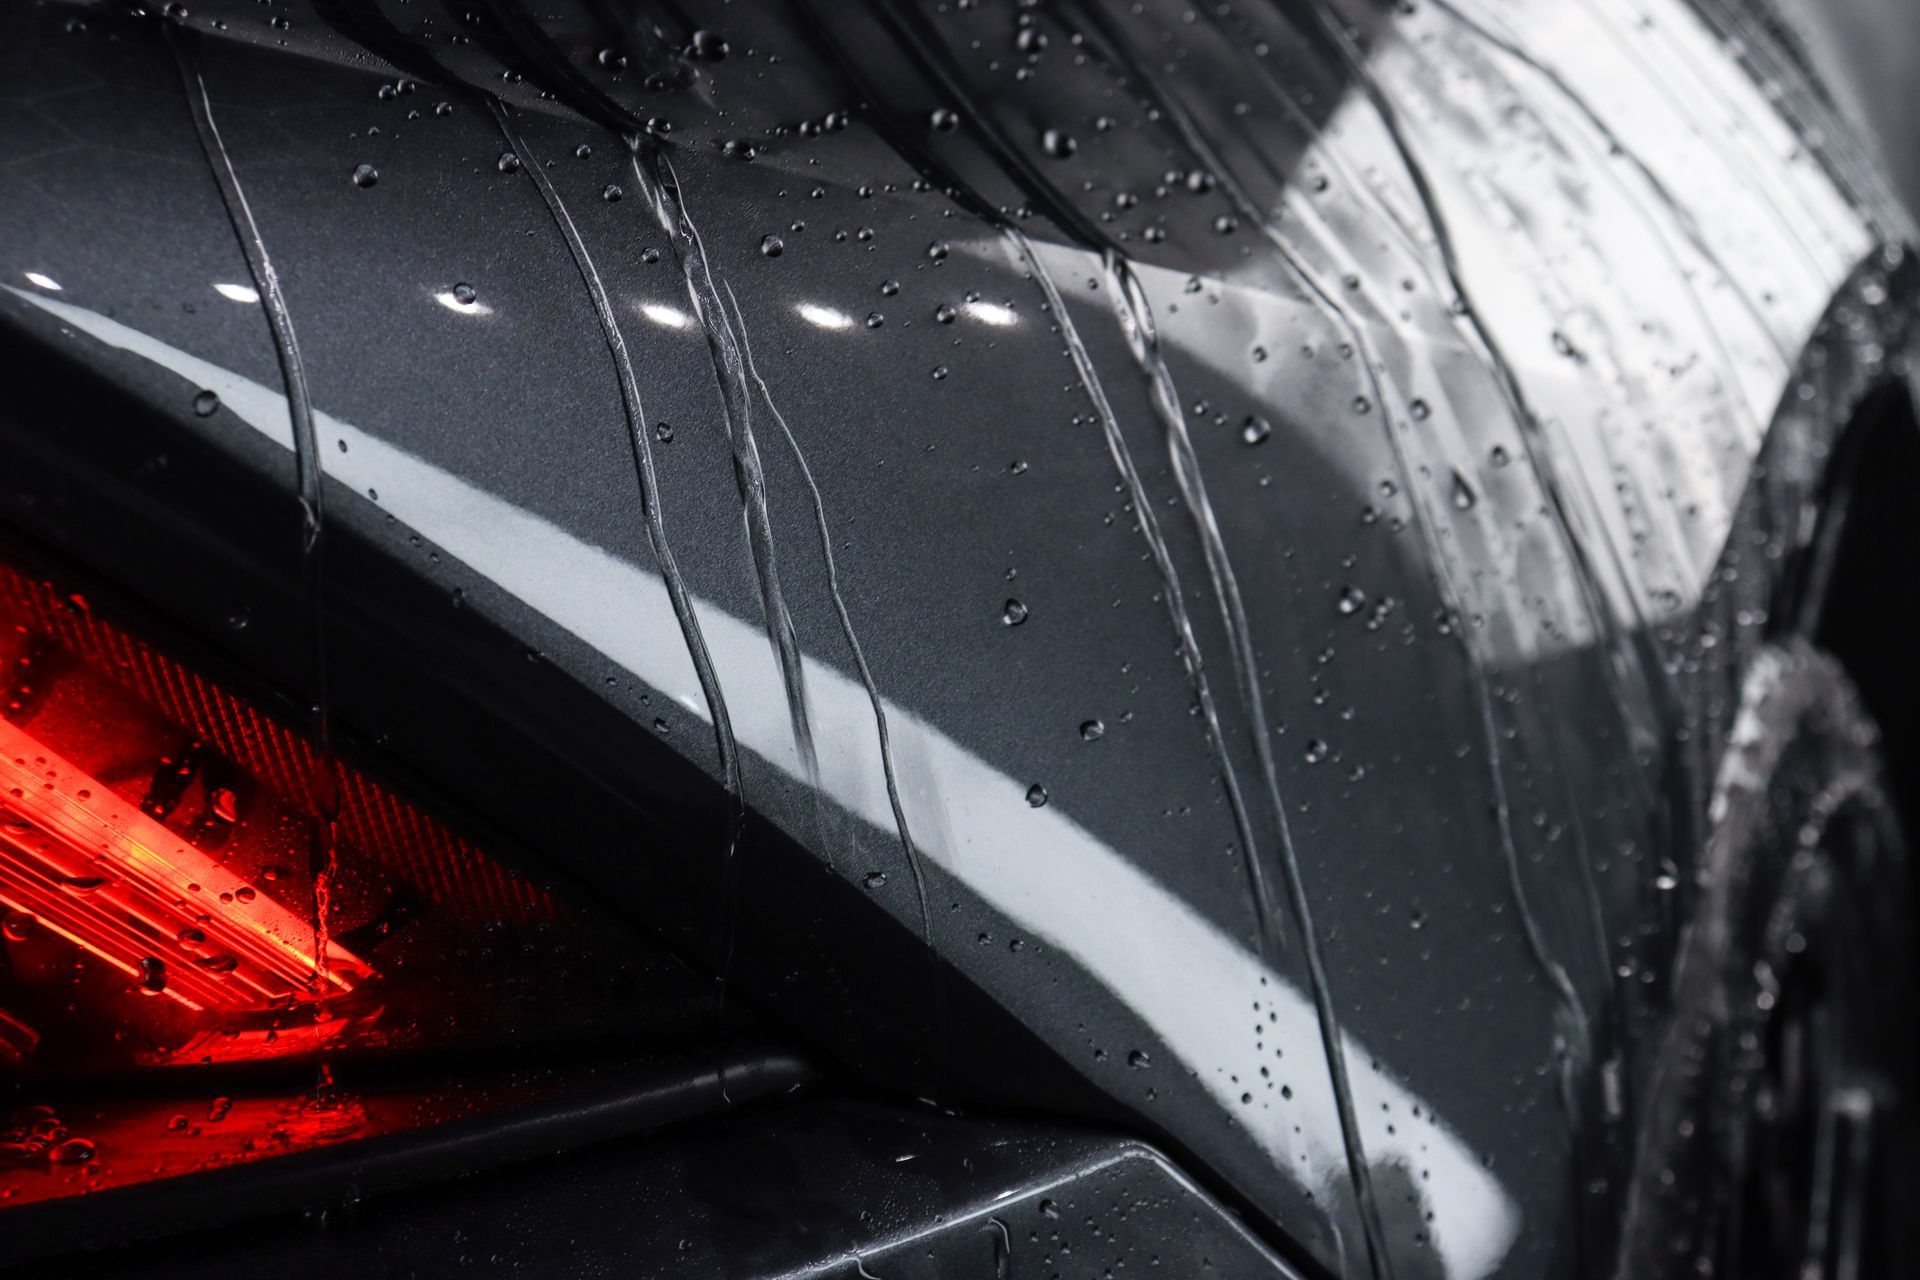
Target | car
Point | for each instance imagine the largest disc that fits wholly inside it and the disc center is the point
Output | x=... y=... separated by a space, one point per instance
x=936 y=637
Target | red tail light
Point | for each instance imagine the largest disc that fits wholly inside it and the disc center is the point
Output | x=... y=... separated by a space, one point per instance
x=80 y=861
x=159 y=925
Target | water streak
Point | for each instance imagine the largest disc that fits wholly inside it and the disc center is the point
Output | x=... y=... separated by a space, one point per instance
x=323 y=794
x=1136 y=321
x=662 y=188
x=1268 y=936
x=1189 y=643
x=1362 y=340
x=1639 y=641
x=887 y=765
x=1683 y=218
x=642 y=452
x=1682 y=77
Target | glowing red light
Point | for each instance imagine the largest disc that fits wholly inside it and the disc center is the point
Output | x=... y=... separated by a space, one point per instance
x=106 y=877
x=158 y=915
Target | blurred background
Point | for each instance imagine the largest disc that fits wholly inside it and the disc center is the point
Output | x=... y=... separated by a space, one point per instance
x=1869 y=51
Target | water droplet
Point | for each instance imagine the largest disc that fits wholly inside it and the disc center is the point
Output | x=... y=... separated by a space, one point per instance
x=1463 y=495
x=1352 y=600
x=707 y=46
x=1013 y=613
x=612 y=193
x=218 y=1109
x=939 y=373
x=1255 y=429
x=889 y=287
x=465 y=294
x=507 y=163
x=18 y=926
x=945 y=119
x=772 y=246
x=938 y=250
x=1050 y=1210
x=1030 y=40
x=1138 y=1060
x=1036 y=795
x=1226 y=224
x=875 y=879
x=365 y=175
x=72 y=1151
x=1092 y=730
x=1420 y=410
x=1316 y=751
x=944 y=313
x=875 y=319
x=153 y=975
x=1498 y=456
x=1058 y=143
x=206 y=404
x=663 y=432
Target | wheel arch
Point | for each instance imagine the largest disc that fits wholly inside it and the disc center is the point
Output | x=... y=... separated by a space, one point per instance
x=1862 y=573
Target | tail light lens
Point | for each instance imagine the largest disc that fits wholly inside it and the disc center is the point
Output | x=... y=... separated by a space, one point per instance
x=82 y=863
x=173 y=992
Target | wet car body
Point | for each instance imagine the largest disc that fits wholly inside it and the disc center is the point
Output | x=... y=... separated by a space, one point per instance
x=1180 y=571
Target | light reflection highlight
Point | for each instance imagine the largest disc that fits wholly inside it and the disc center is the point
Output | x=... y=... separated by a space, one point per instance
x=236 y=292
x=992 y=313
x=824 y=317
x=447 y=299
x=43 y=281
x=665 y=317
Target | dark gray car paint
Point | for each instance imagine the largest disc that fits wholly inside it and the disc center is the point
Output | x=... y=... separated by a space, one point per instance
x=822 y=1190
x=1448 y=448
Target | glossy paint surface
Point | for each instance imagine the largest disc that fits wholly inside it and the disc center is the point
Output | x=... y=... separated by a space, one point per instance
x=943 y=1196
x=1173 y=562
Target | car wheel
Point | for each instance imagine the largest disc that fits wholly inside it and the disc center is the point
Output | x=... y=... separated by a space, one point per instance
x=1767 y=1144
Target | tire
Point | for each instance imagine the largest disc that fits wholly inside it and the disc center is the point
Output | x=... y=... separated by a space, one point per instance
x=1773 y=1138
